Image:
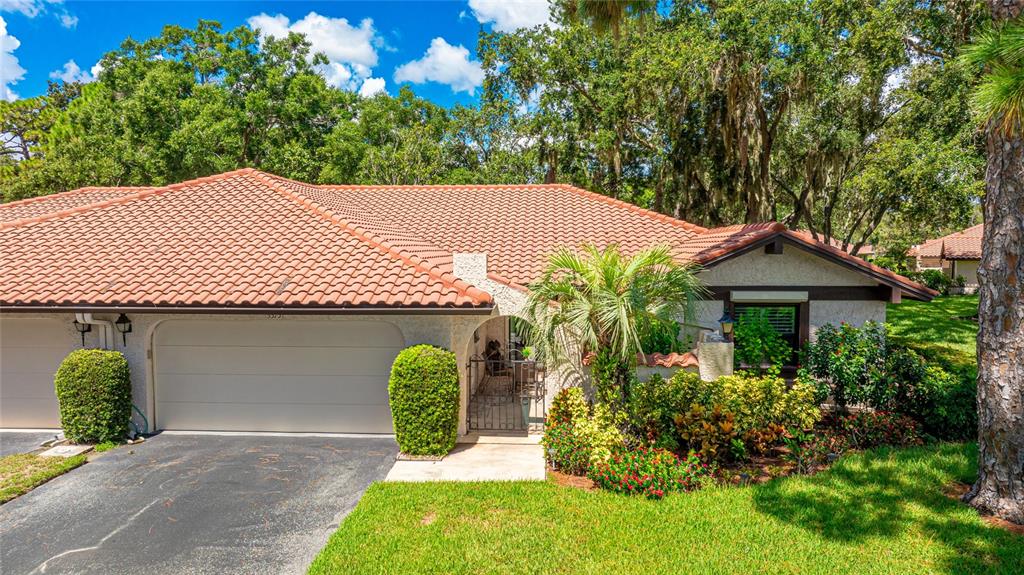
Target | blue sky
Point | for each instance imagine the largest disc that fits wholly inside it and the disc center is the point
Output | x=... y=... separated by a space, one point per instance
x=430 y=45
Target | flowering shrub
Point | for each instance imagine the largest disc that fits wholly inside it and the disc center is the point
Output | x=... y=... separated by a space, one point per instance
x=865 y=430
x=709 y=417
x=650 y=472
x=567 y=447
x=574 y=438
x=847 y=361
x=568 y=406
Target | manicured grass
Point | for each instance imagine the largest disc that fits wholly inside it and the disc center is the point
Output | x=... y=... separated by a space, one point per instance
x=23 y=472
x=881 y=512
x=942 y=321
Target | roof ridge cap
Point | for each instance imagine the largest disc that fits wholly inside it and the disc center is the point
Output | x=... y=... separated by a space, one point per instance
x=373 y=240
x=634 y=208
x=143 y=193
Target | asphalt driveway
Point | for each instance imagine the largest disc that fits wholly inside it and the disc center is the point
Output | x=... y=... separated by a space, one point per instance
x=12 y=442
x=193 y=504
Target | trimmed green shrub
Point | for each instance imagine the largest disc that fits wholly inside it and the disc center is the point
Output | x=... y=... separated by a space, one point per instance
x=94 y=390
x=424 y=396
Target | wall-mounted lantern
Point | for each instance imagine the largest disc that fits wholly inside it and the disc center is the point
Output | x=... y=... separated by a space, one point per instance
x=82 y=328
x=124 y=325
x=726 y=321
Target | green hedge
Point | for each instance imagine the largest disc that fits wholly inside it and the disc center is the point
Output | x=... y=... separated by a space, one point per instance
x=424 y=394
x=94 y=389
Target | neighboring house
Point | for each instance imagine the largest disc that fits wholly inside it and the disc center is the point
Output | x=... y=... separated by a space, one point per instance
x=258 y=303
x=957 y=254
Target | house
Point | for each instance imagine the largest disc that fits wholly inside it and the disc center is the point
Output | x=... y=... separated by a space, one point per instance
x=248 y=302
x=957 y=254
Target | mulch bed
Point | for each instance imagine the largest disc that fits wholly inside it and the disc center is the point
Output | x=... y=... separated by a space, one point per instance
x=566 y=480
x=957 y=491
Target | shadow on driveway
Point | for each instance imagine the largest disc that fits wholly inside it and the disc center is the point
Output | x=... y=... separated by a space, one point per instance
x=193 y=504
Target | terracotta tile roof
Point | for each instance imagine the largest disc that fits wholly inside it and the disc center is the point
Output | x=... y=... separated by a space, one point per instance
x=962 y=245
x=517 y=226
x=688 y=359
x=47 y=205
x=247 y=238
x=235 y=239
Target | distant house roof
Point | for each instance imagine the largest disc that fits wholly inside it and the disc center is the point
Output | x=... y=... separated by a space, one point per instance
x=962 y=245
x=248 y=239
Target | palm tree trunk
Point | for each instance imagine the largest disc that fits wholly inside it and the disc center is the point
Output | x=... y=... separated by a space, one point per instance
x=1000 y=486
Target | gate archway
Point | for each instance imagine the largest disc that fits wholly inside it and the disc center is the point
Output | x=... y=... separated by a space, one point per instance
x=506 y=383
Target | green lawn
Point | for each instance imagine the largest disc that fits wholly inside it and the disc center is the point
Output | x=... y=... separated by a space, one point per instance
x=23 y=472
x=942 y=321
x=882 y=512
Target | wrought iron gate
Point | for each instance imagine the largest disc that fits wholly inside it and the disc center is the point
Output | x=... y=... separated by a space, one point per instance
x=508 y=394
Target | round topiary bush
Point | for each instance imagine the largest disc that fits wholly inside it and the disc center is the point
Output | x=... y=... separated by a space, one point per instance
x=94 y=390
x=424 y=394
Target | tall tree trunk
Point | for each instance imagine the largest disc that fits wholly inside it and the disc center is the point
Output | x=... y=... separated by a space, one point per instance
x=1000 y=486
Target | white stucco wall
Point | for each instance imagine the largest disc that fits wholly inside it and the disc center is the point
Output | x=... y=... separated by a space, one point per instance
x=852 y=312
x=968 y=269
x=794 y=266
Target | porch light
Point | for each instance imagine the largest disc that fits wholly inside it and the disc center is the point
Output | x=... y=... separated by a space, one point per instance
x=124 y=325
x=83 y=328
x=726 y=320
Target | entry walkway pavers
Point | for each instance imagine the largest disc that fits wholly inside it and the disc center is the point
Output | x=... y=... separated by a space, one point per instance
x=483 y=458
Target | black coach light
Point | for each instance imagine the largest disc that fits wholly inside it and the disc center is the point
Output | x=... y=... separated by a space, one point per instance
x=83 y=328
x=124 y=325
x=726 y=320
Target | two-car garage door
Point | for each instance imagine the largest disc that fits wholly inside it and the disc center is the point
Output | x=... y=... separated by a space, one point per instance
x=274 y=375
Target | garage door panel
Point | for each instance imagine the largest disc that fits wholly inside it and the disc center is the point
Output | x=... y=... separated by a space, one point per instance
x=35 y=332
x=283 y=417
x=30 y=413
x=277 y=333
x=19 y=360
x=28 y=386
x=366 y=390
x=31 y=350
x=275 y=375
x=265 y=360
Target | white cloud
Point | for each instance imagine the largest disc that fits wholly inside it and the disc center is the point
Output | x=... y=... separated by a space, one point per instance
x=445 y=64
x=30 y=8
x=72 y=73
x=350 y=50
x=10 y=70
x=33 y=8
x=96 y=69
x=511 y=15
x=371 y=87
x=68 y=20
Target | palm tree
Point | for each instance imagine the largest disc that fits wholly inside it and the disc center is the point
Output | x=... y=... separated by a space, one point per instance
x=604 y=15
x=599 y=301
x=999 y=99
